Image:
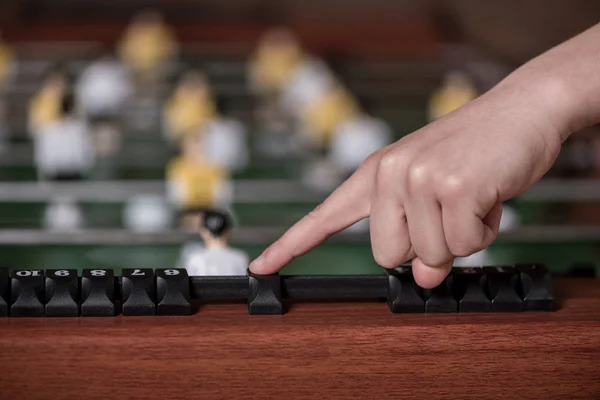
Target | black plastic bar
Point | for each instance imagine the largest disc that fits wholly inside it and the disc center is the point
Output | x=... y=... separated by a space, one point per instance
x=219 y=287
x=343 y=287
x=317 y=287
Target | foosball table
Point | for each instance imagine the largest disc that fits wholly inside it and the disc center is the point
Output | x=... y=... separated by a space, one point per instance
x=492 y=332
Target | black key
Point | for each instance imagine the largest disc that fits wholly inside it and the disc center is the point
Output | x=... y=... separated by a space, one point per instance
x=469 y=289
x=264 y=294
x=98 y=293
x=440 y=299
x=173 y=292
x=503 y=289
x=27 y=293
x=404 y=295
x=4 y=292
x=138 y=292
x=536 y=288
x=62 y=293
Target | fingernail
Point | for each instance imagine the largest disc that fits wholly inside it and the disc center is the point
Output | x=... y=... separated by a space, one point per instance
x=256 y=265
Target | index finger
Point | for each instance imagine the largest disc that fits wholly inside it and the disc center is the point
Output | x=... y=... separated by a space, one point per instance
x=348 y=204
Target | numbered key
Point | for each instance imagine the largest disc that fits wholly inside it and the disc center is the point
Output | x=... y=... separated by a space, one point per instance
x=469 y=289
x=138 y=292
x=264 y=294
x=98 y=293
x=173 y=292
x=4 y=292
x=536 y=288
x=404 y=295
x=62 y=293
x=440 y=299
x=27 y=293
x=503 y=289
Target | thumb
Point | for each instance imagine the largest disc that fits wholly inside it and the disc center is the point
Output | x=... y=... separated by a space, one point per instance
x=427 y=276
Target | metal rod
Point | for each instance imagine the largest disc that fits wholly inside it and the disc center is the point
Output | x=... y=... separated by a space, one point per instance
x=258 y=191
x=244 y=191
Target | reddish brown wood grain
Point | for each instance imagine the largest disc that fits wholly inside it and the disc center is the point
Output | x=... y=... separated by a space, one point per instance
x=326 y=351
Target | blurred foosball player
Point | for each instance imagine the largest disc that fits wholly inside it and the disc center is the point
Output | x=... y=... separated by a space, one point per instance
x=63 y=215
x=308 y=83
x=317 y=127
x=6 y=67
x=63 y=147
x=355 y=139
x=193 y=182
x=147 y=45
x=4 y=131
x=190 y=107
x=103 y=90
x=189 y=221
x=325 y=114
x=280 y=119
x=6 y=62
x=224 y=140
x=456 y=91
x=45 y=107
x=274 y=61
x=147 y=214
x=217 y=258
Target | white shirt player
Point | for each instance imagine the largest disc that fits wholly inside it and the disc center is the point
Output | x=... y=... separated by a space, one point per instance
x=64 y=146
x=188 y=251
x=309 y=82
x=63 y=215
x=355 y=139
x=217 y=261
x=104 y=88
x=225 y=144
x=147 y=213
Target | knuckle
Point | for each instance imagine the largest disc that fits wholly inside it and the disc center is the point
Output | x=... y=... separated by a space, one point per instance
x=450 y=187
x=389 y=166
x=374 y=158
x=418 y=175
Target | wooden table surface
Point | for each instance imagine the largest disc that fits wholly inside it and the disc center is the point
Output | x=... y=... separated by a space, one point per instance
x=326 y=351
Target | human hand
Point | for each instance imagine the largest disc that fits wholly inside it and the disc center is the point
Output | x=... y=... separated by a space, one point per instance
x=437 y=193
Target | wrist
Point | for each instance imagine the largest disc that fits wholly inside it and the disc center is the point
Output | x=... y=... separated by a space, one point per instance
x=543 y=99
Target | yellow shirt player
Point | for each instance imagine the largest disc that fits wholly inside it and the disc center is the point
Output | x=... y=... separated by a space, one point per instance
x=274 y=61
x=456 y=91
x=147 y=44
x=6 y=61
x=190 y=107
x=194 y=182
x=324 y=115
x=45 y=107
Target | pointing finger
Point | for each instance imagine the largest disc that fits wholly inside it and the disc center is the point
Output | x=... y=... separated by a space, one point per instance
x=345 y=206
